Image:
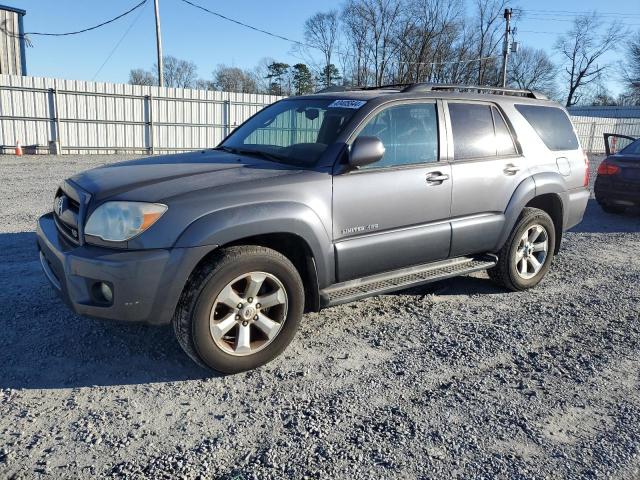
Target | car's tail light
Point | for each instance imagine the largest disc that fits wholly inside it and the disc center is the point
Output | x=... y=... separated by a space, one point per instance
x=606 y=168
x=587 y=171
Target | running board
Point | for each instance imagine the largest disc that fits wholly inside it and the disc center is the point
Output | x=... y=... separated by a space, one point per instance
x=404 y=278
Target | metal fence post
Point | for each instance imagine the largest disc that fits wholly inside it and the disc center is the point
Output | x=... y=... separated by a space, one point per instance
x=227 y=114
x=592 y=134
x=150 y=122
x=58 y=139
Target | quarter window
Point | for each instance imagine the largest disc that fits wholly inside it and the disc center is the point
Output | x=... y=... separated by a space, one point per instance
x=409 y=134
x=552 y=125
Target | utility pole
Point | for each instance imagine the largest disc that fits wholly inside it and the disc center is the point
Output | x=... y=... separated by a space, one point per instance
x=505 y=47
x=159 y=45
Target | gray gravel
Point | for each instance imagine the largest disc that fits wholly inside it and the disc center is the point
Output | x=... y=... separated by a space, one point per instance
x=459 y=379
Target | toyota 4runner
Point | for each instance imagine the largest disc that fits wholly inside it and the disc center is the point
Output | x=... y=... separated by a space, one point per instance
x=315 y=201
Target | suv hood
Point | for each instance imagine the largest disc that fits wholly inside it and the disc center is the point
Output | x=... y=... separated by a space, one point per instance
x=161 y=177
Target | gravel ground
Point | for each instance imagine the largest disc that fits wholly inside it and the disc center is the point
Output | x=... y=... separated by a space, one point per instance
x=459 y=379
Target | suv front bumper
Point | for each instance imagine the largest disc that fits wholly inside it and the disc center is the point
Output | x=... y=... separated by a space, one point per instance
x=146 y=284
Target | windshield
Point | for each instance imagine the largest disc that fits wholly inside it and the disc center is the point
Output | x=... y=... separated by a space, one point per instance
x=293 y=131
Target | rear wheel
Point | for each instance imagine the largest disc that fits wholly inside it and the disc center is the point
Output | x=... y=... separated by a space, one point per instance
x=526 y=256
x=240 y=310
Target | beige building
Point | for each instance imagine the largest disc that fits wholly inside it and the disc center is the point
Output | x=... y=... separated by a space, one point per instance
x=12 y=42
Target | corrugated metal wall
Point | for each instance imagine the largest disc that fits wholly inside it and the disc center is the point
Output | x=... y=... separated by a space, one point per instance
x=10 y=43
x=617 y=111
x=591 y=130
x=73 y=116
x=89 y=117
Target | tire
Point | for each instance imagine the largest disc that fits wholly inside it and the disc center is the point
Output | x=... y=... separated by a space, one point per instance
x=509 y=272
x=614 y=209
x=215 y=337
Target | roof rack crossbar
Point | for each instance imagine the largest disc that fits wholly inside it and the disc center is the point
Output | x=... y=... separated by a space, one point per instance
x=430 y=87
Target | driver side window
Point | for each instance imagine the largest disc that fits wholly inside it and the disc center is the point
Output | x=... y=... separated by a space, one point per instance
x=409 y=134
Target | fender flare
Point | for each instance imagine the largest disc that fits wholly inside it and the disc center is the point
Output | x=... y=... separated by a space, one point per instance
x=235 y=223
x=527 y=190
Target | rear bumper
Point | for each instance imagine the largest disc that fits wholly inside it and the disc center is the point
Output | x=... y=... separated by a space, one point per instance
x=146 y=284
x=577 y=200
x=614 y=193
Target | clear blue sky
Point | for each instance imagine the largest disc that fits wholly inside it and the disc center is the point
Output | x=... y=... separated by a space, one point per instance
x=207 y=40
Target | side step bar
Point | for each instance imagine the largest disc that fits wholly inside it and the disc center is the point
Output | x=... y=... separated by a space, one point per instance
x=404 y=278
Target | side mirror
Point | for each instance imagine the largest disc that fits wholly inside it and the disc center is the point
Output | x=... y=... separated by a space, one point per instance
x=365 y=150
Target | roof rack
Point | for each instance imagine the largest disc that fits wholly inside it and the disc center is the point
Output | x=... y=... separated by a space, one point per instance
x=431 y=87
x=436 y=87
x=342 y=88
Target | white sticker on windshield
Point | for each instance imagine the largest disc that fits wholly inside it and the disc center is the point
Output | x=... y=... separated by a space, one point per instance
x=347 y=103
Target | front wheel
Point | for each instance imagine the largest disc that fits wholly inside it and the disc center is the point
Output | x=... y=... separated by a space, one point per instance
x=240 y=310
x=526 y=257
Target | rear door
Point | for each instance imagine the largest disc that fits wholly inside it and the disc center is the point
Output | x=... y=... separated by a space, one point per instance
x=486 y=170
x=394 y=213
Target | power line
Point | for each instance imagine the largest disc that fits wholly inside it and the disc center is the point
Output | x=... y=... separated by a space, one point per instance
x=297 y=42
x=126 y=32
x=570 y=20
x=89 y=28
x=238 y=22
x=578 y=12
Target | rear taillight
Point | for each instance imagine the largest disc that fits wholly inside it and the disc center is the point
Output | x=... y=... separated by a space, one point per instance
x=587 y=172
x=606 y=168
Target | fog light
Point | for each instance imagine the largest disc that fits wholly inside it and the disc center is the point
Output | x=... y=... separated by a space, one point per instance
x=106 y=292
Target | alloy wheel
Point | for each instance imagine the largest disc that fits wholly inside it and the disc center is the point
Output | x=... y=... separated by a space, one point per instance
x=532 y=251
x=248 y=313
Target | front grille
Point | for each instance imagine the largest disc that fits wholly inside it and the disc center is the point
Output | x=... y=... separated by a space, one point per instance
x=68 y=213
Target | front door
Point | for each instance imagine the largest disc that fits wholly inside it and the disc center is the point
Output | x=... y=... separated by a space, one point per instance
x=394 y=213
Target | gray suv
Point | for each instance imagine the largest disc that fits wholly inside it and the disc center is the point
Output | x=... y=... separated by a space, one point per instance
x=314 y=201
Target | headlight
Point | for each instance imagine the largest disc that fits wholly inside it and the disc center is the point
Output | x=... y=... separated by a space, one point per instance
x=120 y=221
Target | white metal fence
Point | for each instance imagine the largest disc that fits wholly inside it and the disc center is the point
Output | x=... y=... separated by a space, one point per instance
x=49 y=115
x=591 y=130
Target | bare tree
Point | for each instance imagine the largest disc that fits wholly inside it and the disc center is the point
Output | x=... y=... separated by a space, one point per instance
x=631 y=71
x=321 y=32
x=489 y=14
x=532 y=69
x=428 y=26
x=234 y=79
x=582 y=49
x=378 y=26
x=178 y=73
x=354 y=58
x=139 y=76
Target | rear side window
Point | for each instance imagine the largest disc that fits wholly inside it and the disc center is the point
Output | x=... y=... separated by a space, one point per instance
x=479 y=131
x=504 y=141
x=472 y=127
x=552 y=125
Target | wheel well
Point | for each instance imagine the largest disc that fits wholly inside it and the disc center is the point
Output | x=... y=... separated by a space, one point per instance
x=298 y=252
x=552 y=205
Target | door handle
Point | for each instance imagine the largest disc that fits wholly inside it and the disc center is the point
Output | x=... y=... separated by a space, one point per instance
x=511 y=169
x=436 y=178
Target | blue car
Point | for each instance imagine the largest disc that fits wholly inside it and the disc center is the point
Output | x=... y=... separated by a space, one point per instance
x=617 y=185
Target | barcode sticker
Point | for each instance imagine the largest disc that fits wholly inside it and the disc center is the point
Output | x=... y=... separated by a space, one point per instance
x=347 y=104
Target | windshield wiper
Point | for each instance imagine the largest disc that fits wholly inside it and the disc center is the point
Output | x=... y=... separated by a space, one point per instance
x=267 y=156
